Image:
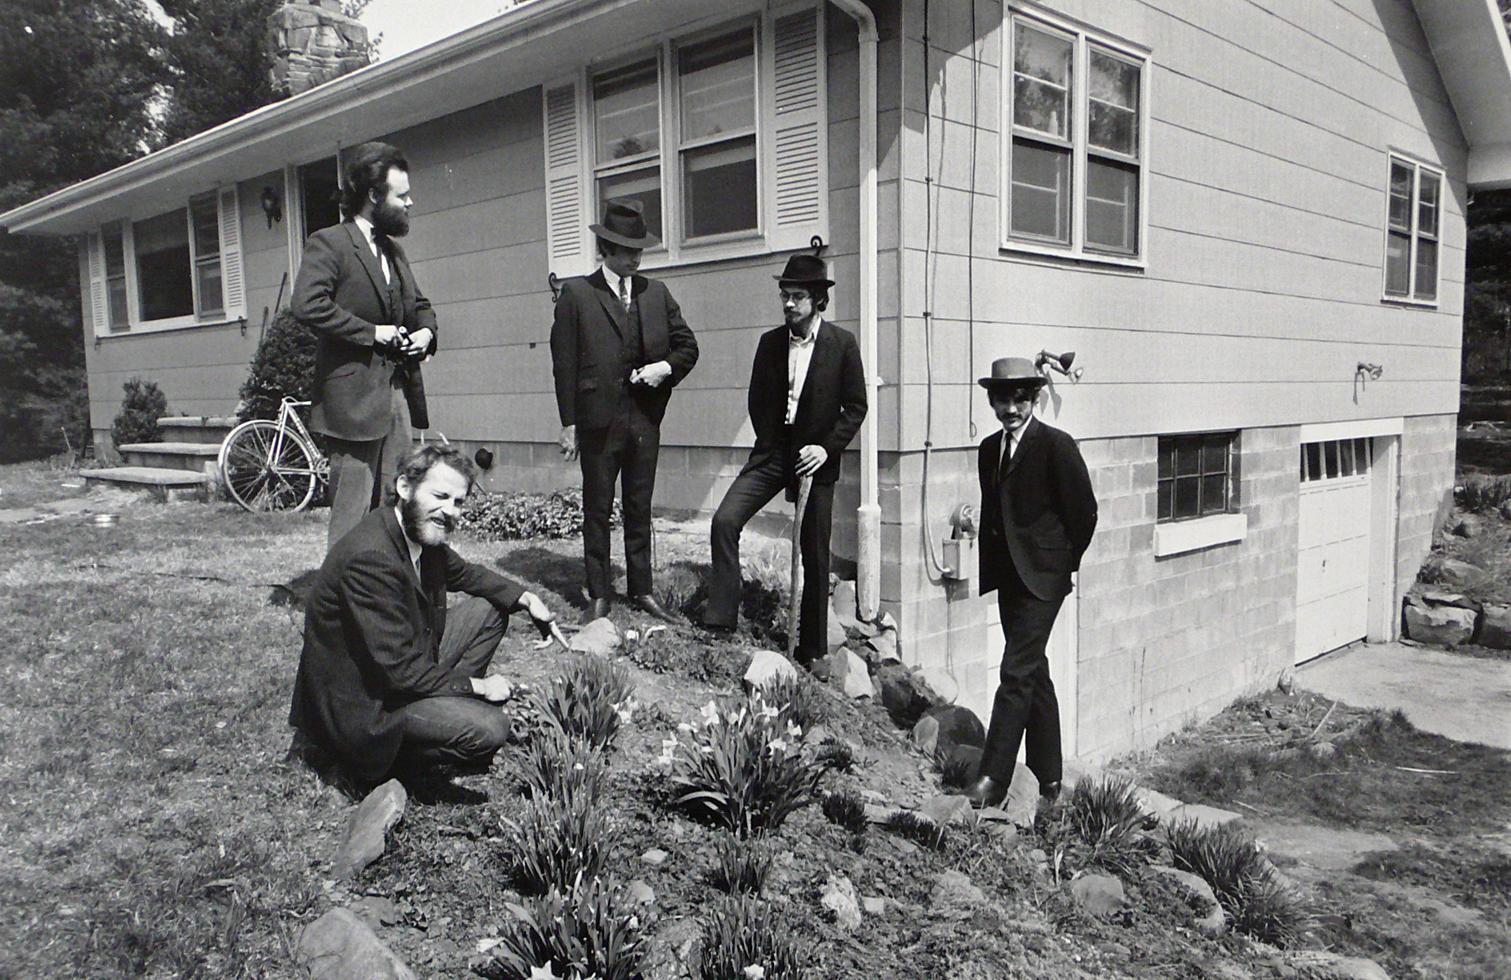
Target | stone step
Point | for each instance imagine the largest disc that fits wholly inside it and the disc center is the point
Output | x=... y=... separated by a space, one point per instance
x=197 y=428
x=164 y=484
x=190 y=456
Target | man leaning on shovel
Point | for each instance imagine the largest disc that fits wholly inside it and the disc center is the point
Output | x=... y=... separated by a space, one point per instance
x=807 y=399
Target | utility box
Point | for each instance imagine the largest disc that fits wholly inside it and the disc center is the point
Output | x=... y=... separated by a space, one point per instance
x=960 y=559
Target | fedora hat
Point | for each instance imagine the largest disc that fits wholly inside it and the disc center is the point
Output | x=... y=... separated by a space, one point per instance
x=806 y=270
x=1013 y=372
x=624 y=224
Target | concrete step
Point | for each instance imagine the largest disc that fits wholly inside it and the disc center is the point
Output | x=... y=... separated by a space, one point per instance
x=191 y=456
x=197 y=428
x=164 y=484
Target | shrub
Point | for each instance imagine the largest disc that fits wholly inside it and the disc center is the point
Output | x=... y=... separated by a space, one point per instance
x=556 y=840
x=142 y=406
x=558 y=767
x=918 y=829
x=740 y=866
x=1257 y=902
x=799 y=698
x=283 y=366
x=589 y=701
x=744 y=768
x=1101 y=825
x=846 y=809
x=591 y=931
x=517 y=516
x=743 y=933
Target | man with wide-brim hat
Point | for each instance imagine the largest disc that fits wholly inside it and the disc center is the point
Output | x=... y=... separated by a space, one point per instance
x=1038 y=514
x=807 y=399
x=619 y=346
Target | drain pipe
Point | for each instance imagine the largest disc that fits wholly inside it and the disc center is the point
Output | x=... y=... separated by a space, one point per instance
x=868 y=515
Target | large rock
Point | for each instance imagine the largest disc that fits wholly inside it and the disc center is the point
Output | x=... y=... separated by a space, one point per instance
x=945 y=810
x=1202 y=815
x=1437 y=624
x=943 y=729
x=837 y=636
x=840 y=901
x=905 y=694
x=365 y=832
x=1100 y=895
x=1495 y=627
x=340 y=946
x=846 y=672
x=884 y=647
x=1212 y=922
x=1459 y=573
x=843 y=605
x=1332 y=966
x=600 y=638
x=766 y=667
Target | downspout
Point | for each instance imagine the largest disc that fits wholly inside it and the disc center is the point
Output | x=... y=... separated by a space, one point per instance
x=868 y=515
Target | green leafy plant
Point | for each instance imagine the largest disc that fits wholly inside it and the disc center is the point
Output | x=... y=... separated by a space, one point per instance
x=589 y=701
x=1101 y=825
x=837 y=756
x=555 y=766
x=590 y=931
x=744 y=767
x=918 y=829
x=143 y=404
x=746 y=938
x=740 y=866
x=799 y=698
x=1258 y=903
x=845 y=809
x=555 y=840
x=517 y=516
x=1482 y=493
x=282 y=367
x=957 y=766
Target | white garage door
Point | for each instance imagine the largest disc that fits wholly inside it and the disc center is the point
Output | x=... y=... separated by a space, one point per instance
x=1332 y=572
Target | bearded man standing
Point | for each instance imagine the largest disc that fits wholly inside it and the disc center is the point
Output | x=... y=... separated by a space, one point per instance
x=355 y=290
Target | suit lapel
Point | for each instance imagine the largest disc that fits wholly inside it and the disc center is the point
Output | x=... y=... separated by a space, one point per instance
x=401 y=551
x=370 y=263
x=609 y=301
x=824 y=347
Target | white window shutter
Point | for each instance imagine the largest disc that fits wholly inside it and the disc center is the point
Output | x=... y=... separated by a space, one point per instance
x=566 y=177
x=99 y=300
x=796 y=128
x=233 y=282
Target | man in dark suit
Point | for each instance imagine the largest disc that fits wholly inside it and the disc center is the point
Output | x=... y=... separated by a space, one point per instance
x=807 y=399
x=389 y=678
x=1037 y=517
x=618 y=347
x=356 y=291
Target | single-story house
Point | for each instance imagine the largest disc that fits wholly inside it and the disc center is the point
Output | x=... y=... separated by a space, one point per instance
x=1245 y=219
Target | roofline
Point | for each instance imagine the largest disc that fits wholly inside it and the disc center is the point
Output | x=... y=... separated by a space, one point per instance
x=329 y=97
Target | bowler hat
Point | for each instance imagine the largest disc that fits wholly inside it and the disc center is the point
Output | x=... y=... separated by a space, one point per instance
x=1013 y=372
x=806 y=270
x=624 y=224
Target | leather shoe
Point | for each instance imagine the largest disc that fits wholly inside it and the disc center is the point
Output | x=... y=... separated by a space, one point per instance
x=986 y=791
x=597 y=609
x=648 y=605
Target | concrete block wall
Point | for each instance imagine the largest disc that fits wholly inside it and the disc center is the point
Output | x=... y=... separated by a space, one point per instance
x=1427 y=472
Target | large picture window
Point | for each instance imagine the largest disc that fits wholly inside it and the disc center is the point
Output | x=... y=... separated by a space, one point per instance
x=1075 y=134
x=1413 y=220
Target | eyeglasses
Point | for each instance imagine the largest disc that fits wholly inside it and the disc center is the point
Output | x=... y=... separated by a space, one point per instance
x=794 y=295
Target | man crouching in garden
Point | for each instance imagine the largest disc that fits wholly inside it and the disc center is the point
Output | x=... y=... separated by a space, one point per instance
x=390 y=681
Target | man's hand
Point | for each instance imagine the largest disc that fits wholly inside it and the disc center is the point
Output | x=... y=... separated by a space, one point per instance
x=810 y=458
x=494 y=687
x=651 y=374
x=568 y=442
x=530 y=603
x=416 y=344
x=387 y=335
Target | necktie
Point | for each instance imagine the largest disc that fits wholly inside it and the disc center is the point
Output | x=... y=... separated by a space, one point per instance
x=624 y=293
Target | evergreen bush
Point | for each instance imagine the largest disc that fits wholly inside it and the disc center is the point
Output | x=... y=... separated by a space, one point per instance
x=143 y=405
x=284 y=365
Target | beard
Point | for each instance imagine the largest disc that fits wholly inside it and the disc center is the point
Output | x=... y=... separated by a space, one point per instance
x=422 y=527
x=391 y=219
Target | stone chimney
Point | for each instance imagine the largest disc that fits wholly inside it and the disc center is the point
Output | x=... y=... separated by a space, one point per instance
x=312 y=41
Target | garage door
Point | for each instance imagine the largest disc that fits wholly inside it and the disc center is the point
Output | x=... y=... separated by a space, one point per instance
x=1332 y=571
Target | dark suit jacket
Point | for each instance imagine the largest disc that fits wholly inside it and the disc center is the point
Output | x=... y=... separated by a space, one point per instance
x=372 y=634
x=340 y=294
x=586 y=340
x=1041 y=517
x=830 y=408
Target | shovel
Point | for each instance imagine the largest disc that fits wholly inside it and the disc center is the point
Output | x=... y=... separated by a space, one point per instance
x=805 y=484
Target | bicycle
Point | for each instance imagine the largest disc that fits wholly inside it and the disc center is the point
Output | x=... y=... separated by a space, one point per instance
x=267 y=465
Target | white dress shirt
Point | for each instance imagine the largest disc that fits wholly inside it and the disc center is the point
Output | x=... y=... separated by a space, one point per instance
x=799 y=356
x=367 y=233
x=617 y=285
x=1010 y=443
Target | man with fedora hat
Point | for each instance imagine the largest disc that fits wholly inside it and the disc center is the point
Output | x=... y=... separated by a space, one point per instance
x=618 y=347
x=1037 y=517
x=807 y=399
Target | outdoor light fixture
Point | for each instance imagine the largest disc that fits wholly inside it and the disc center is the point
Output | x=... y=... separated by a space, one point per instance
x=1369 y=371
x=271 y=206
x=484 y=459
x=1059 y=363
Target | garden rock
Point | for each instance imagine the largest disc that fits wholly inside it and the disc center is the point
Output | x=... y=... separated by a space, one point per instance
x=376 y=911
x=846 y=672
x=1100 y=895
x=340 y=946
x=1331 y=966
x=1460 y=573
x=885 y=646
x=600 y=638
x=1495 y=627
x=639 y=893
x=941 y=730
x=1202 y=815
x=874 y=905
x=655 y=857
x=766 y=667
x=837 y=636
x=952 y=889
x=843 y=607
x=373 y=818
x=1439 y=625
x=904 y=693
x=945 y=810
x=1213 y=922
x=840 y=901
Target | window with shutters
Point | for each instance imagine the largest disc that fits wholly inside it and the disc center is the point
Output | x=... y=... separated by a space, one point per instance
x=718 y=135
x=1412 y=223
x=115 y=276
x=1074 y=142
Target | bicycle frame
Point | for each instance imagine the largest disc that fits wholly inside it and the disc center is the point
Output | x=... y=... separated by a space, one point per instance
x=287 y=414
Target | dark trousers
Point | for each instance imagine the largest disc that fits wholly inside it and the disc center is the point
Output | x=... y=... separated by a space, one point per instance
x=362 y=471
x=1025 y=703
x=626 y=451
x=761 y=480
x=457 y=730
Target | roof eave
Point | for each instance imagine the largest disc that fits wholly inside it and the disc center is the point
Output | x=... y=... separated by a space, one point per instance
x=1469 y=43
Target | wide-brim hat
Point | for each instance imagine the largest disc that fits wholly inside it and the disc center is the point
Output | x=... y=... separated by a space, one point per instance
x=806 y=270
x=624 y=224
x=1013 y=372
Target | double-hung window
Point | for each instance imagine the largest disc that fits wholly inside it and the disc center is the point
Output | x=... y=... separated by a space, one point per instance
x=1413 y=223
x=1076 y=109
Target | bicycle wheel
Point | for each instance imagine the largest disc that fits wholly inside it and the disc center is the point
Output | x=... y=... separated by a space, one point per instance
x=267 y=468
